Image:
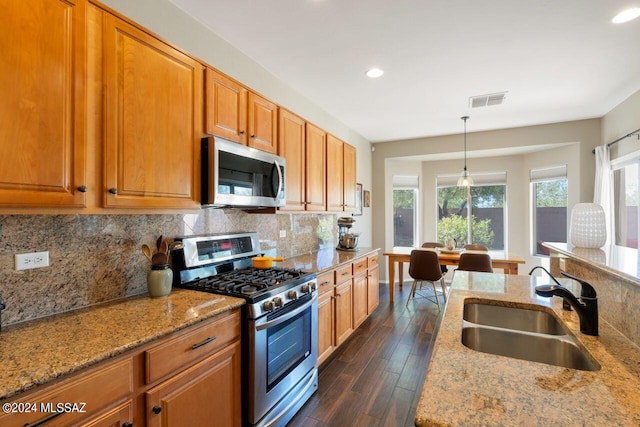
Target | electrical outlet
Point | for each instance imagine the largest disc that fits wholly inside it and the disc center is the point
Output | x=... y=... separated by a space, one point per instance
x=283 y=234
x=32 y=260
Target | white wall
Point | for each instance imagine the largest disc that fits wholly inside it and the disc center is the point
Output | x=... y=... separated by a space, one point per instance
x=560 y=143
x=622 y=120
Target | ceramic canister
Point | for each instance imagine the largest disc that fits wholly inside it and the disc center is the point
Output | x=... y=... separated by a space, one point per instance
x=159 y=280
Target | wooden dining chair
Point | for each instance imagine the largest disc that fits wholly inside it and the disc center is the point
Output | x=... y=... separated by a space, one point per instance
x=425 y=267
x=475 y=262
x=432 y=245
x=474 y=247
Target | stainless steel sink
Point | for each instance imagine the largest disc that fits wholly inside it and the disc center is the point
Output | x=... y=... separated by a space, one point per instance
x=525 y=333
x=519 y=318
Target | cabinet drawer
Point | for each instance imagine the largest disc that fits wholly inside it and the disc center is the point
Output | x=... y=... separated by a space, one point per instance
x=325 y=282
x=343 y=273
x=372 y=260
x=359 y=265
x=90 y=391
x=180 y=352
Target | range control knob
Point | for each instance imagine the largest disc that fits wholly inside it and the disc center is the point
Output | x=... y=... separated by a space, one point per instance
x=277 y=301
x=268 y=306
x=313 y=286
x=292 y=295
x=304 y=289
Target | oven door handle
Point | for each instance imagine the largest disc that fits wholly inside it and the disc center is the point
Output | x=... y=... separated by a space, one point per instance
x=287 y=316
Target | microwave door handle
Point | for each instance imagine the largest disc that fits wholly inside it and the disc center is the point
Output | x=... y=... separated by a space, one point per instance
x=279 y=179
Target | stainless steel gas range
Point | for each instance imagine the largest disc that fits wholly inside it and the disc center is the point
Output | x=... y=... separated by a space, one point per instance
x=280 y=327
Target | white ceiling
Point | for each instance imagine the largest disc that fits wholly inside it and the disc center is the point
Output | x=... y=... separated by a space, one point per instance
x=559 y=60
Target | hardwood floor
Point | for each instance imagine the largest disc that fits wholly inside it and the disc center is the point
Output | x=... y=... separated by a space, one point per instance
x=376 y=377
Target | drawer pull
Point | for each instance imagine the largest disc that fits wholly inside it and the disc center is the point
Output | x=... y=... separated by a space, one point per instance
x=44 y=420
x=345 y=273
x=156 y=409
x=127 y=424
x=325 y=283
x=205 y=342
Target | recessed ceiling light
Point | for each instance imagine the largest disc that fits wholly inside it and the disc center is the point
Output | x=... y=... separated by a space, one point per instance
x=374 y=73
x=626 y=15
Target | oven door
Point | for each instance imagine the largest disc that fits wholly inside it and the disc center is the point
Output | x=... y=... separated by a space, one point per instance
x=283 y=350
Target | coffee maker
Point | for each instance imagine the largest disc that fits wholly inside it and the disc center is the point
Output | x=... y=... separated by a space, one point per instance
x=347 y=240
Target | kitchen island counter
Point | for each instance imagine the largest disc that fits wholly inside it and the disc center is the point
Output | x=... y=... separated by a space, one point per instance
x=38 y=351
x=464 y=387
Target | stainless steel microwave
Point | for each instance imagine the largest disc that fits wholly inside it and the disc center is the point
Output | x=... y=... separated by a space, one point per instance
x=240 y=176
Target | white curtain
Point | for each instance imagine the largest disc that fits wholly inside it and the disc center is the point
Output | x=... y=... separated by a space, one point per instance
x=603 y=189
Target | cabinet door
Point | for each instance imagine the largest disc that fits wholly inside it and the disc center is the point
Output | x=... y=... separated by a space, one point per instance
x=153 y=117
x=226 y=107
x=326 y=326
x=42 y=125
x=121 y=415
x=316 y=168
x=349 y=177
x=359 y=299
x=344 y=313
x=262 y=124
x=291 y=146
x=335 y=159
x=207 y=394
x=373 y=289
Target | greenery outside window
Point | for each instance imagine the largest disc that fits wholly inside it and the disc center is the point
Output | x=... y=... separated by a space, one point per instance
x=405 y=211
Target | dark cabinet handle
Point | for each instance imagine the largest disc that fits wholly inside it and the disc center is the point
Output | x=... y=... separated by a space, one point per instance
x=241 y=132
x=253 y=136
x=156 y=409
x=205 y=342
x=127 y=424
x=44 y=420
x=113 y=190
x=82 y=189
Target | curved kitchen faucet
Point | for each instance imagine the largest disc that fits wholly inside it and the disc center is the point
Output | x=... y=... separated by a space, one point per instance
x=587 y=307
x=565 y=304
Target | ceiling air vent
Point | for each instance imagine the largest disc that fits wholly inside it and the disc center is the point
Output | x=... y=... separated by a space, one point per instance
x=487 y=100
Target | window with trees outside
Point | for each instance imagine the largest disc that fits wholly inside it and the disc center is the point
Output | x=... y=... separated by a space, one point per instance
x=405 y=212
x=626 y=198
x=485 y=223
x=549 y=202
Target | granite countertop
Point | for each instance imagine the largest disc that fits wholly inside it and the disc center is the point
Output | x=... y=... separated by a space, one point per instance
x=38 y=351
x=617 y=261
x=325 y=259
x=41 y=350
x=464 y=387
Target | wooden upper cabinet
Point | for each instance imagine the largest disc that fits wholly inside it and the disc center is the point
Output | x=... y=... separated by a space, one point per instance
x=262 y=123
x=153 y=120
x=291 y=146
x=226 y=107
x=341 y=176
x=349 y=177
x=316 y=166
x=335 y=160
x=42 y=124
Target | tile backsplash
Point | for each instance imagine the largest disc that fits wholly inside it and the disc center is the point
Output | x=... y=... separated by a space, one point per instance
x=98 y=258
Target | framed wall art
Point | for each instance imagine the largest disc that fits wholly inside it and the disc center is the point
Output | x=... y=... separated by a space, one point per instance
x=358 y=211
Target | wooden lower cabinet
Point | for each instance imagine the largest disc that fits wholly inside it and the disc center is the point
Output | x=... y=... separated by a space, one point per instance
x=344 y=307
x=344 y=311
x=203 y=390
x=208 y=394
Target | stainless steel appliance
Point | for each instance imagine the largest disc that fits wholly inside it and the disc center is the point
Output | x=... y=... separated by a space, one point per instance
x=347 y=240
x=281 y=323
x=236 y=175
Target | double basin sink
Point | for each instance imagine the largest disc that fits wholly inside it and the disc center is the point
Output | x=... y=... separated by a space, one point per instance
x=525 y=331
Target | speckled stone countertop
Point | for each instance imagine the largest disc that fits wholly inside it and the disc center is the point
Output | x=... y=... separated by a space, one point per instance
x=325 y=259
x=38 y=351
x=464 y=387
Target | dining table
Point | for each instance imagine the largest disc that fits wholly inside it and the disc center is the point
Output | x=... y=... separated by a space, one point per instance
x=499 y=259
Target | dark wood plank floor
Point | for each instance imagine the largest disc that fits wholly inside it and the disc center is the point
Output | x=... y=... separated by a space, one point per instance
x=375 y=378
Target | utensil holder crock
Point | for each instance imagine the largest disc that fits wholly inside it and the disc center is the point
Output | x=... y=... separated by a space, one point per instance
x=159 y=280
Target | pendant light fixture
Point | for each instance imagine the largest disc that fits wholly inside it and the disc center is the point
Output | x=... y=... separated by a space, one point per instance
x=465 y=180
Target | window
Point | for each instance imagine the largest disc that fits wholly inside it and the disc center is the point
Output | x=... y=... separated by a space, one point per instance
x=405 y=212
x=549 y=206
x=626 y=200
x=486 y=224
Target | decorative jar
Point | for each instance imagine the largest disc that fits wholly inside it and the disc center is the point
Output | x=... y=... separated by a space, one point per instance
x=588 y=227
x=159 y=280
